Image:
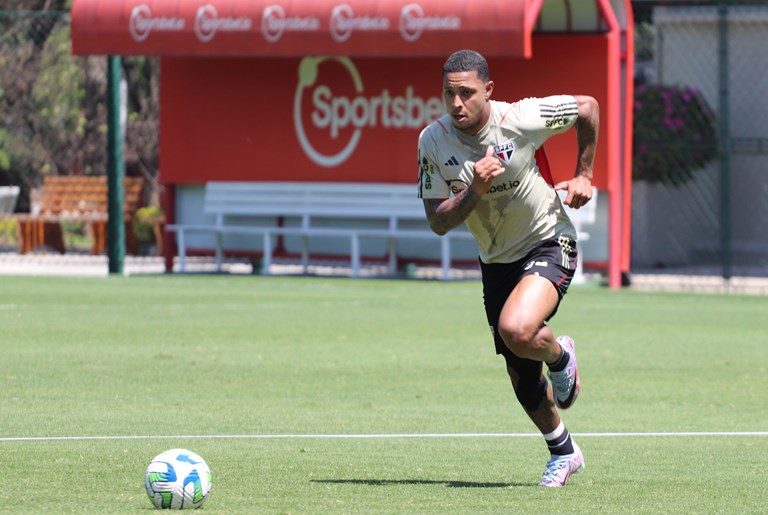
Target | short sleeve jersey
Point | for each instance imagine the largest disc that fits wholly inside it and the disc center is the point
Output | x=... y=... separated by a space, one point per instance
x=520 y=210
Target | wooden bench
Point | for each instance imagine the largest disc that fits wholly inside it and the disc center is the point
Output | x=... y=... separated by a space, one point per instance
x=362 y=210
x=77 y=199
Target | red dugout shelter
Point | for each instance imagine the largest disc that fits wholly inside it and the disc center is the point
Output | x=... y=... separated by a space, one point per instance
x=338 y=90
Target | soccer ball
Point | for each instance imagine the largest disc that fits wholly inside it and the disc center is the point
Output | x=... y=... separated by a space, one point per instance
x=178 y=479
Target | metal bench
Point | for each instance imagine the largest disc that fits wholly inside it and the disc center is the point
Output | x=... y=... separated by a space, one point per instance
x=362 y=210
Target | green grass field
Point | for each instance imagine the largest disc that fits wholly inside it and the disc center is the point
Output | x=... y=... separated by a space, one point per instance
x=185 y=361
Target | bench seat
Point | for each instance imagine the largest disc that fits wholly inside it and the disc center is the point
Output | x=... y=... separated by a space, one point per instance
x=376 y=210
x=359 y=210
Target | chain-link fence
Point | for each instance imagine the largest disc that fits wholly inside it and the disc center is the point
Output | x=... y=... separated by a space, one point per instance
x=701 y=138
x=53 y=118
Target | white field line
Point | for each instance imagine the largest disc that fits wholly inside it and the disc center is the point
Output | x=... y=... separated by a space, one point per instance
x=373 y=436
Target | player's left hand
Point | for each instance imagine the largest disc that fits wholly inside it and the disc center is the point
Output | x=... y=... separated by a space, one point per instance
x=579 y=191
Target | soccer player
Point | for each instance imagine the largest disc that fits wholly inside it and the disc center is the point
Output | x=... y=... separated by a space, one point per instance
x=478 y=166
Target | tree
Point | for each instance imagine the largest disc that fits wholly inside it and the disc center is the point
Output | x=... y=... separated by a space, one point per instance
x=52 y=104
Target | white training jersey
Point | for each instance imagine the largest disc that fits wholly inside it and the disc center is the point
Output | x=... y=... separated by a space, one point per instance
x=520 y=210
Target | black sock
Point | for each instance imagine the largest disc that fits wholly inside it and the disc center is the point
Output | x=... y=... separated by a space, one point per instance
x=562 y=444
x=559 y=364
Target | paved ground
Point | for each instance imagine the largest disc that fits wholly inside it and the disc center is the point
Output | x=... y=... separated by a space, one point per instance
x=51 y=264
x=742 y=285
x=72 y=265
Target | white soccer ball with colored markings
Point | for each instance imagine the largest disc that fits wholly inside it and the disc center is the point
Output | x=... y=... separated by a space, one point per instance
x=178 y=479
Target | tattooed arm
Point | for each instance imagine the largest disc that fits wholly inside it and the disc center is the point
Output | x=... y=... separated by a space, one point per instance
x=445 y=214
x=587 y=126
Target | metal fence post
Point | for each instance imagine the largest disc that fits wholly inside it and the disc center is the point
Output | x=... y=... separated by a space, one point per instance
x=726 y=240
x=115 y=170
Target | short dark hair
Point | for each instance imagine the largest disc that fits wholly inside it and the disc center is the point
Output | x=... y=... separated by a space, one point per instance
x=467 y=61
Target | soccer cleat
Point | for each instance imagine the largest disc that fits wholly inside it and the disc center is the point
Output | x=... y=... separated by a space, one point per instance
x=566 y=383
x=561 y=468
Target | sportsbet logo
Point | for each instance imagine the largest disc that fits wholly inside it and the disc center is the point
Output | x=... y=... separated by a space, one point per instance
x=330 y=113
x=208 y=22
x=141 y=23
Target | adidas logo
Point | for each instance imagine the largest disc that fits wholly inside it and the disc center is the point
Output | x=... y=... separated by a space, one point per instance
x=452 y=161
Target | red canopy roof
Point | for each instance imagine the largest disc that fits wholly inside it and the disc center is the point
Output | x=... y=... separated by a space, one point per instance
x=302 y=27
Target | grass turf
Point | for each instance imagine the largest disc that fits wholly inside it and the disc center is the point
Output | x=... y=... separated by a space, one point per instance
x=218 y=355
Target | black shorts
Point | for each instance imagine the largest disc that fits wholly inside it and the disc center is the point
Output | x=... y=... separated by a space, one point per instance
x=554 y=259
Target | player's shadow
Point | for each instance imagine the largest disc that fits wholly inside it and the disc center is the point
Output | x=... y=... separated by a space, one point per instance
x=447 y=483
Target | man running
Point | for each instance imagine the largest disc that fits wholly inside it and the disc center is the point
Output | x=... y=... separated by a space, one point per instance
x=478 y=167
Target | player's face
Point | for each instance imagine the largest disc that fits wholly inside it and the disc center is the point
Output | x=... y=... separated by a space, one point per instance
x=466 y=99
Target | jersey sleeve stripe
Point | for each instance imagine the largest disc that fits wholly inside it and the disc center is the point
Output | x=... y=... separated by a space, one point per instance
x=559 y=110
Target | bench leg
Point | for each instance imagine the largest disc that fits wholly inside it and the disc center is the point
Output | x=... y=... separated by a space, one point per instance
x=219 y=253
x=182 y=250
x=305 y=254
x=98 y=230
x=355 y=255
x=131 y=243
x=266 y=260
x=52 y=234
x=25 y=236
x=157 y=232
x=392 y=265
x=445 y=257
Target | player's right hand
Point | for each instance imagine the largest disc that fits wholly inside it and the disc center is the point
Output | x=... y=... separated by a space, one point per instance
x=487 y=169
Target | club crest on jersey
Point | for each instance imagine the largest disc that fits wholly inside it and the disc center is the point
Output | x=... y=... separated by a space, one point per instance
x=504 y=151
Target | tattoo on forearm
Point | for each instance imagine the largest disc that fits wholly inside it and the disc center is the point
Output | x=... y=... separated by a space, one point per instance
x=587 y=139
x=467 y=202
x=586 y=135
x=448 y=214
